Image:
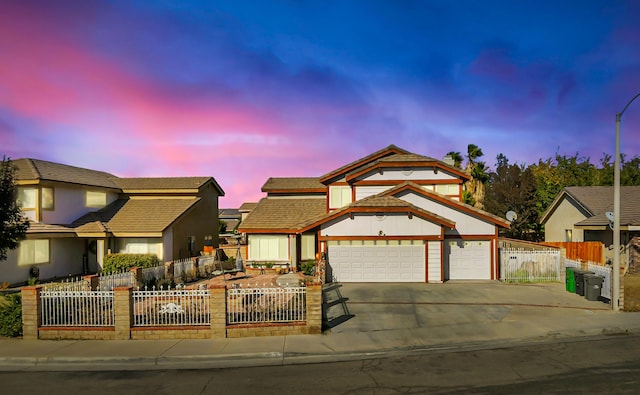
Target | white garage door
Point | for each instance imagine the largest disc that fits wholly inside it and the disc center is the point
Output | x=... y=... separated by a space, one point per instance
x=469 y=260
x=380 y=261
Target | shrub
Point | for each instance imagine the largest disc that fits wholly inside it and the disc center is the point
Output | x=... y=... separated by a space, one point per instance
x=120 y=262
x=308 y=267
x=11 y=315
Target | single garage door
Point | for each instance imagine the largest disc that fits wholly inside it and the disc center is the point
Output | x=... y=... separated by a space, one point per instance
x=377 y=261
x=468 y=260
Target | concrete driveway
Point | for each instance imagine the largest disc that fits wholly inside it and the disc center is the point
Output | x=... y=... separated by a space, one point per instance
x=367 y=307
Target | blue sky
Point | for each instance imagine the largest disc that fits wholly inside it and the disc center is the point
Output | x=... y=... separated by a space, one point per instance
x=243 y=91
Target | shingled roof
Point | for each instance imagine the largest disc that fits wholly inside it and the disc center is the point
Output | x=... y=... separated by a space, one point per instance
x=28 y=169
x=282 y=215
x=135 y=216
x=294 y=184
x=390 y=150
x=162 y=184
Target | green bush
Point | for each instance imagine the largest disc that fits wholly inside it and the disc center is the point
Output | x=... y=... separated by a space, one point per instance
x=120 y=262
x=11 y=315
x=308 y=267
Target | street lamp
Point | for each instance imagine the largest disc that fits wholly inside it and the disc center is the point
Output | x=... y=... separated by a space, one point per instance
x=615 y=296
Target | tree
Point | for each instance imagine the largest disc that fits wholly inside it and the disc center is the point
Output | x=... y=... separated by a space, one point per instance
x=222 y=227
x=13 y=225
x=474 y=193
x=513 y=187
x=456 y=157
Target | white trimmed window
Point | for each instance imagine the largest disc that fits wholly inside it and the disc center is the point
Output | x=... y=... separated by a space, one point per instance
x=448 y=189
x=96 y=199
x=31 y=252
x=268 y=247
x=46 y=198
x=308 y=247
x=339 y=196
x=27 y=198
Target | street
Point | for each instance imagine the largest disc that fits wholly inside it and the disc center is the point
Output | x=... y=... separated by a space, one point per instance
x=597 y=365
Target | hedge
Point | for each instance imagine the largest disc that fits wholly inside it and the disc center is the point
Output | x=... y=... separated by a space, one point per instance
x=120 y=262
x=11 y=315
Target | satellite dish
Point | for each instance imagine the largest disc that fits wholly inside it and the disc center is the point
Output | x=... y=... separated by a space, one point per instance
x=511 y=216
x=609 y=216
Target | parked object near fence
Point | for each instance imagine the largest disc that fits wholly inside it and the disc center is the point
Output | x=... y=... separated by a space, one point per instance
x=530 y=266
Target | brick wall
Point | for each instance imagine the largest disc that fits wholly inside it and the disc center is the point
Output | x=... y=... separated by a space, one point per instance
x=123 y=329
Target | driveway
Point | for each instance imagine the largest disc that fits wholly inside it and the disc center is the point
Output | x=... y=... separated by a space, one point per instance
x=366 y=307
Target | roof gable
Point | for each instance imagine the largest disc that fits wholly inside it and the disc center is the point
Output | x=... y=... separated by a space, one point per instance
x=390 y=150
x=405 y=161
x=473 y=211
x=294 y=185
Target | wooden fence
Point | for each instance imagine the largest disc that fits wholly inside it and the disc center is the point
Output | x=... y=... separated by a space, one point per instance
x=587 y=251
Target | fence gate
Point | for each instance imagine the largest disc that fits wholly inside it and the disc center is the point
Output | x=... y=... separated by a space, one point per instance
x=530 y=266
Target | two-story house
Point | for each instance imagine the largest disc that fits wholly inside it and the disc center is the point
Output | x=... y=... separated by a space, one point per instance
x=391 y=216
x=78 y=215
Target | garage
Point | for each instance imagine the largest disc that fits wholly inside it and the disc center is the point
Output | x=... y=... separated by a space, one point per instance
x=377 y=261
x=468 y=259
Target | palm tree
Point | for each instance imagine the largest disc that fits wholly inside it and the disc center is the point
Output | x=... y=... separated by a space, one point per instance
x=474 y=188
x=456 y=157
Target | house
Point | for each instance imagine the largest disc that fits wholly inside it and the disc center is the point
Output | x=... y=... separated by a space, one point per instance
x=579 y=214
x=78 y=215
x=391 y=216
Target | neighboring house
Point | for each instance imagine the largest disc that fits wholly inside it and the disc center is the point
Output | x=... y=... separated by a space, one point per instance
x=578 y=214
x=392 y=216
x=78 y=215
x=231 y=217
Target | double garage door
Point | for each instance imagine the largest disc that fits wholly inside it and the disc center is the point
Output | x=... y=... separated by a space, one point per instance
x=384 y=262
x=377 y=262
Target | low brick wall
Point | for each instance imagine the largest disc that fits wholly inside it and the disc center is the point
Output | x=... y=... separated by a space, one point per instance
x=124 y=329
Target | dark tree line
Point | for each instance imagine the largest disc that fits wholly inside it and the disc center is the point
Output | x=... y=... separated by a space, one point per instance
x=529 y=190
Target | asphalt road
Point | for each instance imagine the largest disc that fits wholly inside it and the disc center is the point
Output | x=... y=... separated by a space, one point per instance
x=596 y=365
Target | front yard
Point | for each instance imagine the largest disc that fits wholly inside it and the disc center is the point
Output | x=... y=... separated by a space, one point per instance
x=632 y=292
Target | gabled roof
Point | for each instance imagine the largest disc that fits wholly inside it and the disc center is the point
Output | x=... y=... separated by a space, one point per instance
x=374 y=204
x=280 y=215
x=144 y=216
x=36 y=170
x=404 y=161
x=390 y=150
x=247 y=207
x=476 y=212
x=162 y=184
x=294 y=185
x=596 y=200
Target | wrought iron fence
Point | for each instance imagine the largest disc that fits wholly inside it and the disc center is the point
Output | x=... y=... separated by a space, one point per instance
x=69 y=284
x=171 y=307
x=112 y=280
x=530 y=266
x=77 y=308
x=264 y=305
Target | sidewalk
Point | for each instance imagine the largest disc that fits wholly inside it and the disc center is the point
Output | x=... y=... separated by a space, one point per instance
x=369 y=321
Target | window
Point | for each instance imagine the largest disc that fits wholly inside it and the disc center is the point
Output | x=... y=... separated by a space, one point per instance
x=32 y=252
x=96 y=199
x=339 y=196
x=568 y=235
x=308 y=247
x=263 y=248
x=27 y=198
x=46 y=198
x=447 y=189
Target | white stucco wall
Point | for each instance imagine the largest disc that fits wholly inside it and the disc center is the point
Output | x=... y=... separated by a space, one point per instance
x=367 y=224
x=466 y=224
x=69 y=205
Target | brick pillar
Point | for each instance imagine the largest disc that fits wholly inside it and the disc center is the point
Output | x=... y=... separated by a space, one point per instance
x=136 y=277
x=31 y=312
x=123 y=307
x=314 y=308
x=218 y=310
x=91 y=282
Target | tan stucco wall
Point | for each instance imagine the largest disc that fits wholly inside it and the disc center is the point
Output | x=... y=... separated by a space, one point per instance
x=564 y=217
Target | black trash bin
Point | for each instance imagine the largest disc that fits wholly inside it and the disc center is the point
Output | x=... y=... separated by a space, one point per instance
x=579 y=277
x=592 y=286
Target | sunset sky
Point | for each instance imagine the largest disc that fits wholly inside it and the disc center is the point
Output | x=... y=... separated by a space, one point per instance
x=247 y=90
